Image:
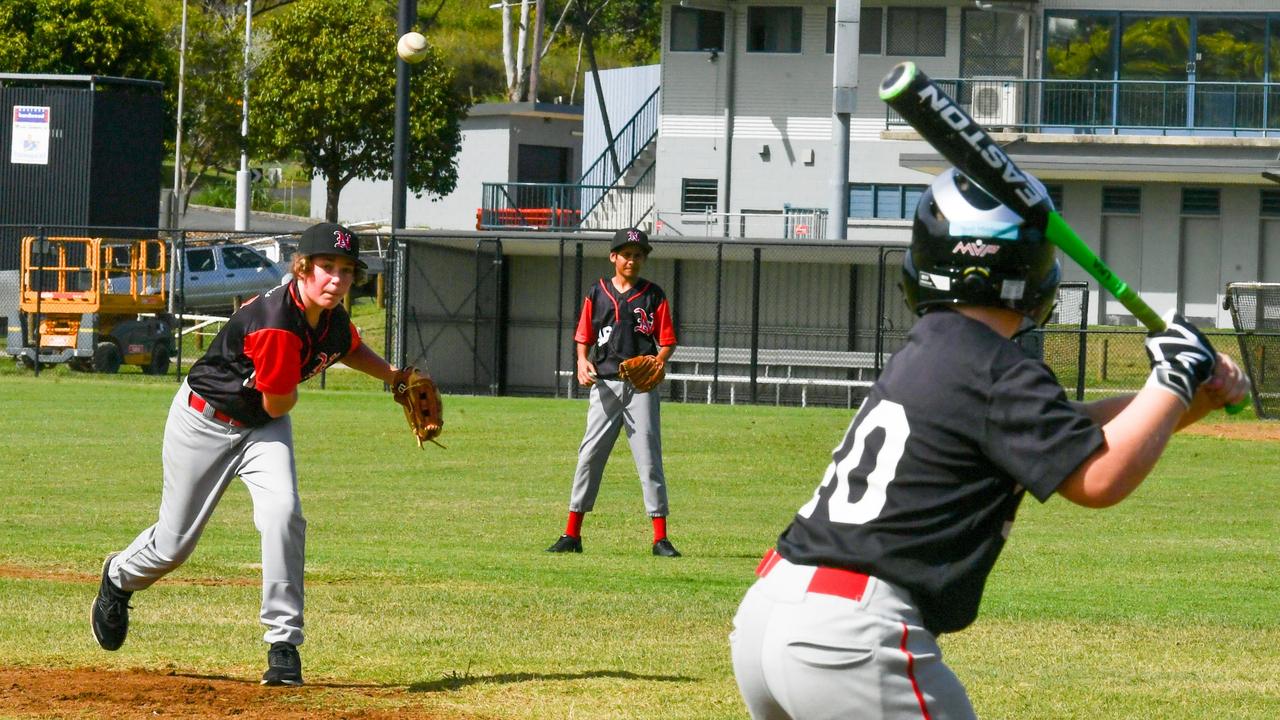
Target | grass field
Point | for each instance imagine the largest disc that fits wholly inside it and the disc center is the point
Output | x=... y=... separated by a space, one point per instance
x=427 y=581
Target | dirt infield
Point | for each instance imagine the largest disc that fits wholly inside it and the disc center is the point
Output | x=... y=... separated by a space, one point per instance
x=1258 y=430
x=87 y=693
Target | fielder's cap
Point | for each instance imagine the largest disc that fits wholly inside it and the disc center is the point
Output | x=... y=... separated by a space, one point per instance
x=630 y=236
x=330 y=239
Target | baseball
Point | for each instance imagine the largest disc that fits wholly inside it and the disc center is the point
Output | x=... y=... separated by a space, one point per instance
x=412 y=47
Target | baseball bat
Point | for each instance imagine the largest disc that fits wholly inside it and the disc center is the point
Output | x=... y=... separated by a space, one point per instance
x=965 y=144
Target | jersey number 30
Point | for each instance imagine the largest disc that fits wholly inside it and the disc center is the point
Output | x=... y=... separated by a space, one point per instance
x=885 y=415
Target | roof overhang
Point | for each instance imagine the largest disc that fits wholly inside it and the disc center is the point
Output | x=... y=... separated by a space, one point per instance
x=1125 y=158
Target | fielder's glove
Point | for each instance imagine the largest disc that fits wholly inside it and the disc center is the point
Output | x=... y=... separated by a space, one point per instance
x=416 y=391
x=644 y=372
x=1181 y=358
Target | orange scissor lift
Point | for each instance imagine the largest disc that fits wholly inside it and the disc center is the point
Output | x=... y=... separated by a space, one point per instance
x=94 y=303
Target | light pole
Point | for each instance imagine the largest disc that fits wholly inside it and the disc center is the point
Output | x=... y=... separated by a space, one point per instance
x=175 y=199
x=242 y=176
x=400 y=150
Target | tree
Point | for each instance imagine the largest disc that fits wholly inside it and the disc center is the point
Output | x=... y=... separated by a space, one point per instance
x=326 y=91
x=84 y=37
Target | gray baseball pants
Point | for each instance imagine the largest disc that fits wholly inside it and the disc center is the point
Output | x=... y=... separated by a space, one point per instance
x=612 y=406
x=805 y=655
x=201 y=456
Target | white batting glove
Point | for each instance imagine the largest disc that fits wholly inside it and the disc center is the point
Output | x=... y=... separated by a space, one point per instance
x=1181 y=358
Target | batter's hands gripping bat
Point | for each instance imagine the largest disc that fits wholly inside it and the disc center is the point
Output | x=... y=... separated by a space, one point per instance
x=965 y=144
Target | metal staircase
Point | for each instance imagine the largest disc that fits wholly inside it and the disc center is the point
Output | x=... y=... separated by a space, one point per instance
x=622 y=195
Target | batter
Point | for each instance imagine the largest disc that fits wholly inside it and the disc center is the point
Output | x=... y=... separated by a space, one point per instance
x=230 y=418
x=896 y=544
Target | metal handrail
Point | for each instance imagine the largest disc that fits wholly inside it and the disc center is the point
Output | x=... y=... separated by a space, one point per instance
x=648 y=111
x=1110 y=106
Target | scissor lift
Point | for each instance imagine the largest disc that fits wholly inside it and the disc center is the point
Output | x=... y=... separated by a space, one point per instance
x=93 y=303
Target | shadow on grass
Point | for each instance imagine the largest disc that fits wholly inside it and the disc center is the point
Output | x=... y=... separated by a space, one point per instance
x=457 y=681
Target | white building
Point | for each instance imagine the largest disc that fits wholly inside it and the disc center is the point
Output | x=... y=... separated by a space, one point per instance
x=1153 y=122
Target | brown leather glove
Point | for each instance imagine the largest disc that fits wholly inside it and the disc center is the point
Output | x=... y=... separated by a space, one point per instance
x=417 y=393
x=644 y=372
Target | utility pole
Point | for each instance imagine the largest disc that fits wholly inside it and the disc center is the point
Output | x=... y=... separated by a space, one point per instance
x=844 y=97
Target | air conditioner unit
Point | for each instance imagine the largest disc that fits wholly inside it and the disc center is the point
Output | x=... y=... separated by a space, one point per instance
x=995 y=101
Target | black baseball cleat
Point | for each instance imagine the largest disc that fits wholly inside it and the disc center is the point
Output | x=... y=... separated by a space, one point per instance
x=284 y=667
x=664 y=548
x=109 y=615
x=565 y=544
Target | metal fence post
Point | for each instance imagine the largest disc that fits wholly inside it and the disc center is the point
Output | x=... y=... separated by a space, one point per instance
x=555 y=380
x=715 y=359
x=1083 y=347
x=41 y=246
x=755 y=320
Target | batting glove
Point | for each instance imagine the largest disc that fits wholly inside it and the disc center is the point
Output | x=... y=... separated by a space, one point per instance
x=1181 y=358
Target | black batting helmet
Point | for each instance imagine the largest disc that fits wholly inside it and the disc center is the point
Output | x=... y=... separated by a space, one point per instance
x=968 y=248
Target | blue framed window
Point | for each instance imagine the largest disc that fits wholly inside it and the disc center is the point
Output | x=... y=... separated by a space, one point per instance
x=883 y=201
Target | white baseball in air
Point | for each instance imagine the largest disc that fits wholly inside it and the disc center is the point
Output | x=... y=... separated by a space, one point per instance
x=412 y=47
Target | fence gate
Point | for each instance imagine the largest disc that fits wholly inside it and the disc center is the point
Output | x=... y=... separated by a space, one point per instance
x=1255 y=312
x=453 y=328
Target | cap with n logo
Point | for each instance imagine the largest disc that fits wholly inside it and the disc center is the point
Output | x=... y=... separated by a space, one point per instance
x=330 y=239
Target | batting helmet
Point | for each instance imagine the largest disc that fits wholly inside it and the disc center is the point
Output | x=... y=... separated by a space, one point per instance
x=967 y=248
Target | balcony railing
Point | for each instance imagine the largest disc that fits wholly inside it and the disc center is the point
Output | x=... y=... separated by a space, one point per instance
x=1117 y=106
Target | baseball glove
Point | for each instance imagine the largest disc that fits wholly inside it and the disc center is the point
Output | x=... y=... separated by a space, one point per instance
x=644 y=372
x=417 y=392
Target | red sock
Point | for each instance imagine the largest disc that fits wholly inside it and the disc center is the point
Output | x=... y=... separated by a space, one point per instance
x=574 y=527
x=659 y=528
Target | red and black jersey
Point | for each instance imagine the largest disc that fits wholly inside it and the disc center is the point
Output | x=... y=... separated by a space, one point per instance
x=621 y=325
x=923 y=489
x=267 y=346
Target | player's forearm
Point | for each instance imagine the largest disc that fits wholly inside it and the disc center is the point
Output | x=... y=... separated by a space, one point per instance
x=370 y=363
x=279 y=405
x=665 y=352
x=1105 y=410
x=1134 y=439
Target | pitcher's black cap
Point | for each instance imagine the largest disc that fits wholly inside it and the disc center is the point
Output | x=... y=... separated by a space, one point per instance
x=330 y=239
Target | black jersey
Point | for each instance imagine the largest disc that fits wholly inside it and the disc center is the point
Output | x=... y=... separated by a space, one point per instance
x=923 y=489
x=619 y=326
x=267 y=346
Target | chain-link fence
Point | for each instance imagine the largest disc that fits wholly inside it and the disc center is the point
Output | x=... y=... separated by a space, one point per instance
x=1255 y=312
x=102 y=299
x=762 y=321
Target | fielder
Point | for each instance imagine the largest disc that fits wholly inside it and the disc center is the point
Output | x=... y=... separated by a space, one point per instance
x=896 y=544
x=231 y=417
x=625 y=323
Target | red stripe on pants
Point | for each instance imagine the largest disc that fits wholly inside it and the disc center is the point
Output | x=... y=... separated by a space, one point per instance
x=911 y=674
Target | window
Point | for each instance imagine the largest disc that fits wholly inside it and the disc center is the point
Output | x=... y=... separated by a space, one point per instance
x=694 y=30
x=991 y=43
x=774 y=29
x=870 y=31
x=917 y=31
x=1270 y=202
x=1055 y=196
x=891 y=202
x=1201 y=201
x=1126 y=199
x=238 y=258
x=699 y=195
x=200 y=260
x=831 y=30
